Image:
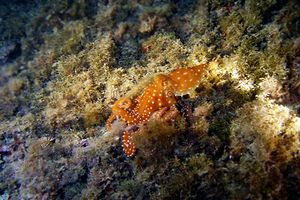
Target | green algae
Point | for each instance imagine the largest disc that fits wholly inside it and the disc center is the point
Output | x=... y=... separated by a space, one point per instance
x=236 y=137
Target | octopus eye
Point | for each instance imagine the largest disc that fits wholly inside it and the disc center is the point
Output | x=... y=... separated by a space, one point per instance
x=124 y=103
x=169 y=93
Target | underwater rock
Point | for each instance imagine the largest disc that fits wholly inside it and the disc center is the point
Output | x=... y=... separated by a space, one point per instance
x=8 y=50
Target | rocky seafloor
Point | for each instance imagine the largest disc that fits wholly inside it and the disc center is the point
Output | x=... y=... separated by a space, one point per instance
x=63 y=63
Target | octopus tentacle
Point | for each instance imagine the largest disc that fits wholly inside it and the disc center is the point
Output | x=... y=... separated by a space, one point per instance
x=110 y=120
x=128 y=146
x=123 y=107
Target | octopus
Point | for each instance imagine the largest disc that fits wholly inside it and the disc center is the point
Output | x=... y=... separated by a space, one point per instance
x=159 y=95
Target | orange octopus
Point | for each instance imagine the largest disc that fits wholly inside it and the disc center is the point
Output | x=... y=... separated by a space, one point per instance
x=158 y=96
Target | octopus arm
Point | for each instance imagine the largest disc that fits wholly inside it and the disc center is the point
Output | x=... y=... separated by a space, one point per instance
x=109 y=121
x=123 y=108
x=128 y=146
